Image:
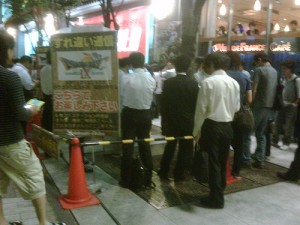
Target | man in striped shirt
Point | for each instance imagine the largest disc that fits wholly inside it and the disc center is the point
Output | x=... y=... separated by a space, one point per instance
x=18 y=162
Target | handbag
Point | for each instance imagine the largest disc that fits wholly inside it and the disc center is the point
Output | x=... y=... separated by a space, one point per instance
x=243 y=119
x=137 y=174
x=200 y=165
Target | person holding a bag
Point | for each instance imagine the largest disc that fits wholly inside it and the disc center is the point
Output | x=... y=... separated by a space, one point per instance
x=218 y=100
x=243 y=122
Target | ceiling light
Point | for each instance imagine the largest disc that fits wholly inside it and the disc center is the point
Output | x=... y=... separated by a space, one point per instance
x=297 y=2
x=223 y=10
x=287 y=28
x=257 y=5
x=277 y=27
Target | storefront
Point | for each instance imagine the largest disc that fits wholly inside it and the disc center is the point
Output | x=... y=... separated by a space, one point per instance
x=280 y=44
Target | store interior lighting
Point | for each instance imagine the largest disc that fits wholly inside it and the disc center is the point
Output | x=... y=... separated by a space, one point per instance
x=257 y=5
x=162 y=9
x=277 y=27
x=49 y=24
x=80 y=21
x=223 y=10
x=286 y=28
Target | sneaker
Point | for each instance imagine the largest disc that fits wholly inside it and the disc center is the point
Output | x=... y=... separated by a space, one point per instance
x=275 y=144
x=284 y=147
x=15 y=223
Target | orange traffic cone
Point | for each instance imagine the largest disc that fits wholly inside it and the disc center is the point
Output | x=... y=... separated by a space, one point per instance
x=78 y=193
x=229 y=177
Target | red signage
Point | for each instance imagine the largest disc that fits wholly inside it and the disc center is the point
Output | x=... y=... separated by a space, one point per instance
x=132 y=32
x=244 y=47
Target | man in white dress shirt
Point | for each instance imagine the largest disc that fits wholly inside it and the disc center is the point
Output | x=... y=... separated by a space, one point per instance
x=218 y=100
x=136 y=118
x=23 y=69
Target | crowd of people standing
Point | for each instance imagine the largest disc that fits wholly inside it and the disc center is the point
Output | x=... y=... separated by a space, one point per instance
x=204 y=105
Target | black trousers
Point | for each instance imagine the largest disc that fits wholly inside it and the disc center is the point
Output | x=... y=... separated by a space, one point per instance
x=47 y=119
x=184 y=156
x=237 y=145
x=294 y=170
x=135 y=124
x=215 y=139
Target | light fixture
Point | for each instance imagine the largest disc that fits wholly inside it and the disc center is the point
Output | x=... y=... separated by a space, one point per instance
x=80 y=21
x=162 y=9
x=223 y=10
x=257 y=5
x=49 y=24
x=277 y=27
x=287 y=28
x=297 y=2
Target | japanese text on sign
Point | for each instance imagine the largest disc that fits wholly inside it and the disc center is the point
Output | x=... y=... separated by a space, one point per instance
x=80 y=101
x=84 y=42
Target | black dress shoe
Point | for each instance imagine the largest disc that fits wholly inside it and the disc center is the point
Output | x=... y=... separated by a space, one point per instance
x=285 y=176
x=15 y=223
x=207 y=202
x=163 y=176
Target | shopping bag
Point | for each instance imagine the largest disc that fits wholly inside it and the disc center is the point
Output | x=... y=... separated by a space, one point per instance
x=200 y=165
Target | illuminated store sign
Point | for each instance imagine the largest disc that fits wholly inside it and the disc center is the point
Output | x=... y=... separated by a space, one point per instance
x=132 y=34
x=244 y=47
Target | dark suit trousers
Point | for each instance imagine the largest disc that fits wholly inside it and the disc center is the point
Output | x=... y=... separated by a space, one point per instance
x=237 y=145
x=184 y=156
x=47 y=119
x=135 y=123
x=294 y=170
x=215 y=139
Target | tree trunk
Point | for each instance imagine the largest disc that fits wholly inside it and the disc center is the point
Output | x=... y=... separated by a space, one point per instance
x=191 y=10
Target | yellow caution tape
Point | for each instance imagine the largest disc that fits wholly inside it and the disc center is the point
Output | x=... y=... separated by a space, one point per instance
x=129 y=141
x=169 y=138
x=148 y=139
x=188 y=137
x=104 y=142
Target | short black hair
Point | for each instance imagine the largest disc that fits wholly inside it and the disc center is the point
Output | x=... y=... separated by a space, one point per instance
x=219 y=60
x=25 y=58
x=290 y=64
x=7 y=42
x=137 y=60
x=294 y=22
x=252 y=23
x=199 y=60
x=182 y=63
x=235 y=60
x=124 y=62
x=261 y=55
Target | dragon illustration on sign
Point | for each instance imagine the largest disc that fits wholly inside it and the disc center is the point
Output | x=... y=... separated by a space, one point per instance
x=89 y=61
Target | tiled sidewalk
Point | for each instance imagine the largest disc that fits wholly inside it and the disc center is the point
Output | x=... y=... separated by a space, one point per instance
x=16 y=208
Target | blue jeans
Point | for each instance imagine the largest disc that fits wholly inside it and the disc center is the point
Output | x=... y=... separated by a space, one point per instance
x=261 y=117
x=246 y=147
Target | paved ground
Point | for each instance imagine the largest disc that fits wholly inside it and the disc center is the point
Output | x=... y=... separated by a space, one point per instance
x=277 y=204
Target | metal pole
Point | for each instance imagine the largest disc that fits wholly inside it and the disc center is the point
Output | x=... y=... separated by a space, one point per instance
x=268 y=25
x=229 y=32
